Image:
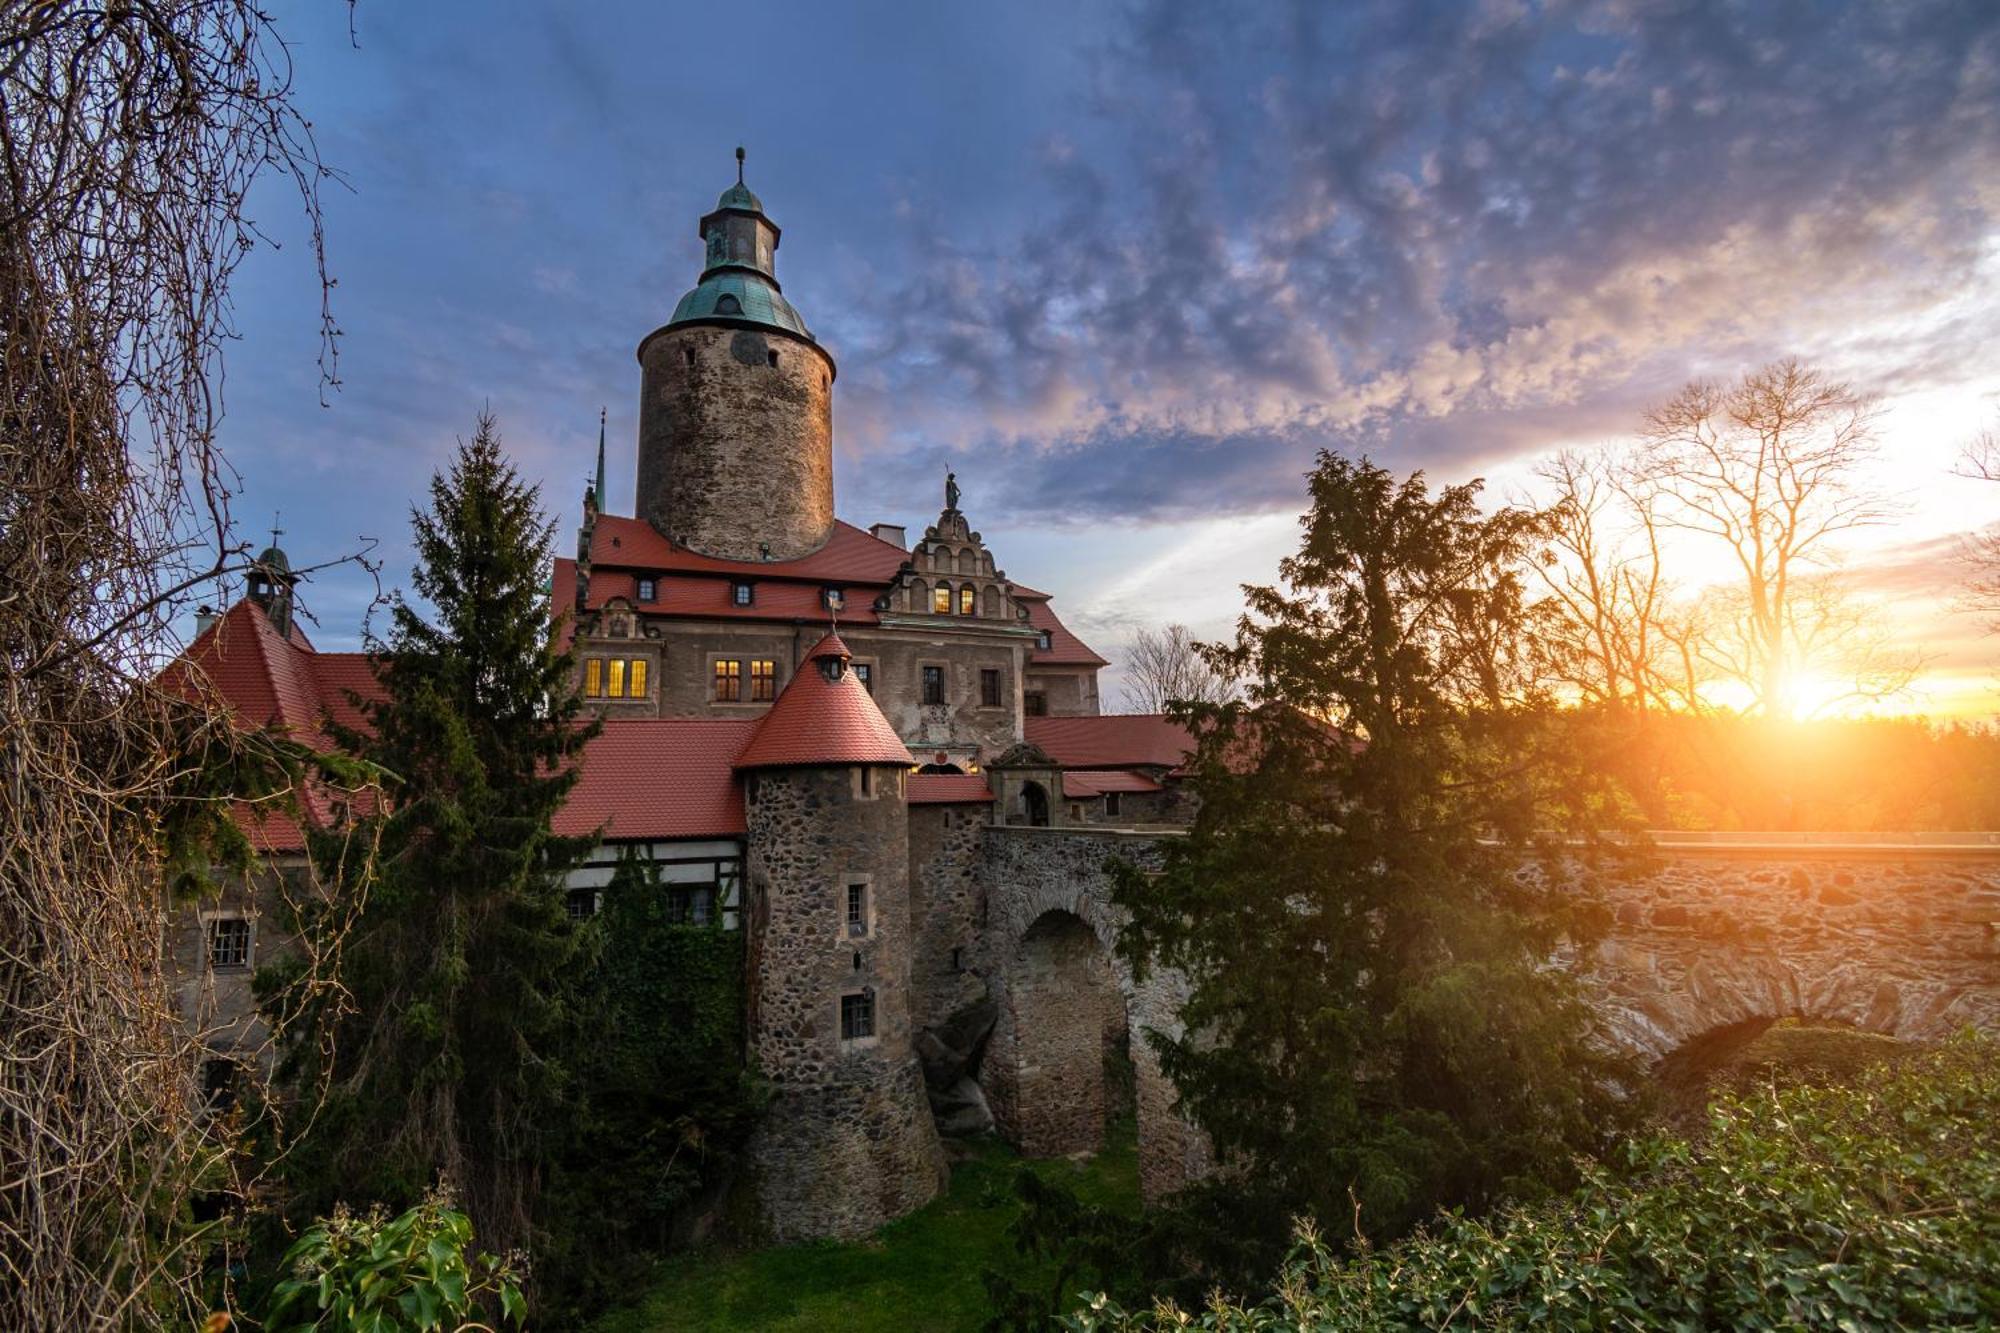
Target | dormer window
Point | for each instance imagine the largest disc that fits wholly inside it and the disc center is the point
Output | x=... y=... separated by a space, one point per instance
x=728 y=305
x=1045 y=641
x=740 y=594
x=833 y=599
x=649 y=590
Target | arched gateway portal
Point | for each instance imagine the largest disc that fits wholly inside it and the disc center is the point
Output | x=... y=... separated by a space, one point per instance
x=1060 y=1016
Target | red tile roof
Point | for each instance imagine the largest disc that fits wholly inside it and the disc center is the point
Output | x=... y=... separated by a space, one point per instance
x=849 y=556
x=947 y=789
x=659 y=778
x=1080 y=782
x=1064 y=649
x=1127 y=740
x=708 y=596
x=822 y=721
x=269 y=680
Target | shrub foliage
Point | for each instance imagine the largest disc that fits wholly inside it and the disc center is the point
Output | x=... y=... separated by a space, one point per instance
x=1873 y=1205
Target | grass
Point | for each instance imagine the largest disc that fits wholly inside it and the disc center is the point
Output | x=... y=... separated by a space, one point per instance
x=918 y=1275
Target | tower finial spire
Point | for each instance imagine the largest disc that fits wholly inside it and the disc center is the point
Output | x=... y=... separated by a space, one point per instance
x=739 y=164
x=601 y=412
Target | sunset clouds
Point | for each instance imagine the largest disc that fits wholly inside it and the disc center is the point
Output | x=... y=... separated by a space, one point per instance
x=1134 y=264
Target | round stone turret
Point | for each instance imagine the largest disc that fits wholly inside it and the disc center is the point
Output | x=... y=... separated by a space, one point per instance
x=848 y=1142
x=736 y=404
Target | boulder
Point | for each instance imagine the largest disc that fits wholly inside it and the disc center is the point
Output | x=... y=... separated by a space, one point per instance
x=949 y=1050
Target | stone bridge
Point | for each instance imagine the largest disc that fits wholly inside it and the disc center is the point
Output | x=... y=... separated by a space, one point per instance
x=1896 y=935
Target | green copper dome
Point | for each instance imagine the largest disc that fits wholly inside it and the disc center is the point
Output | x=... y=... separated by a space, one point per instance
x=739 y=294
x=739 y=281
x=739 y=196
x=274 y=560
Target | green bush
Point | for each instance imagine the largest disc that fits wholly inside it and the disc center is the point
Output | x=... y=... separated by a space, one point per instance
x=374 y=1274
x=1874 y=1205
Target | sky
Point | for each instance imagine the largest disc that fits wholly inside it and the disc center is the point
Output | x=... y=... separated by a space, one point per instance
x=1128 y=267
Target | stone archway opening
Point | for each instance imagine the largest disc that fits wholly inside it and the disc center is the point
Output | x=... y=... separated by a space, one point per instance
x=1052 y=1071
x=1034 y=804
x=1755 y=1051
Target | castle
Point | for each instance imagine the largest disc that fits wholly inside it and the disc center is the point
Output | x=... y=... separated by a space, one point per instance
x=807 y=725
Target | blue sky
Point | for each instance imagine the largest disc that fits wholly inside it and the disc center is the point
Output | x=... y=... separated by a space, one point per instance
x=1126 y=267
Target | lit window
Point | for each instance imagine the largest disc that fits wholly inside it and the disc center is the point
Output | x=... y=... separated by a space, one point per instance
x=857 y=1016
x=865 y=673
x=763 y=680
x=648 y=590
x=617 y=689
x=739 y=594
x=728 y=680
x=989 y=687
x=228 y=942
x=965 y=599
x=638 y=678
x=857 y=909
x=941 y=599
x=593 y=678
x=933 y=678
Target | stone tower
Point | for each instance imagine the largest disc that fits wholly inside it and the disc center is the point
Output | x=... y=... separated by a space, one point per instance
x=849 y=1143
x=736 y=404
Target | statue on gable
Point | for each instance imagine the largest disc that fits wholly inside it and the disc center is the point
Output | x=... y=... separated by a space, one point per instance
x=950 y=490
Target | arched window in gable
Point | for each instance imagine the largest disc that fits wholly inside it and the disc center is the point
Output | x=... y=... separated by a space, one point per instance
x=941 y=599
x=920 y=595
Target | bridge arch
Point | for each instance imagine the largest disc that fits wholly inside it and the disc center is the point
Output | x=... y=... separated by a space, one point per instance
x=1061 y=1012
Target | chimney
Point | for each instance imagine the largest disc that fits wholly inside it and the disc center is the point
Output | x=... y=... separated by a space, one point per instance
x=891 y=533
x=204 y=616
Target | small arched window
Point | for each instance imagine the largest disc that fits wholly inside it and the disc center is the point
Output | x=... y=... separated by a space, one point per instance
x=920 y=593
x=966 y=596
x=728 y=305
x=941 y=599
x=968 y=562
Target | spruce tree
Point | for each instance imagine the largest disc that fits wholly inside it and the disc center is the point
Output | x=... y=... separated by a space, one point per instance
x=453 y=1054
x=1382 y=868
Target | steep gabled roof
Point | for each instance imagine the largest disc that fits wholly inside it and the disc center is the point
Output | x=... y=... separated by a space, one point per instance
x=1128 y=740
x=823 y=718
x=849 y=556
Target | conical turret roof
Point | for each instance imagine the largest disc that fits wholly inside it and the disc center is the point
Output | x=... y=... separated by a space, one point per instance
x=825 y=716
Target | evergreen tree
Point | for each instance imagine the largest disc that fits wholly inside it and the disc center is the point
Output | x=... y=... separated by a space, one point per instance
x=453 y=1055
x=1372 y=1029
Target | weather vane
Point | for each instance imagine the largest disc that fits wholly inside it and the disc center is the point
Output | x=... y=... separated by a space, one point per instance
x=276 y=531
x=739 y=164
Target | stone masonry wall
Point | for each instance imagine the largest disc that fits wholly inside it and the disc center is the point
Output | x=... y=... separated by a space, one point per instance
x=947 y=910
x=736 y=441
x=1895 y=940
x=848 y=1143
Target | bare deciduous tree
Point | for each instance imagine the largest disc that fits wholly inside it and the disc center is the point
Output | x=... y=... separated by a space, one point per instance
x=1765 y=468
x=1606 y=578
x=130 y=135
x=1981 y=460
x=1167 y=666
